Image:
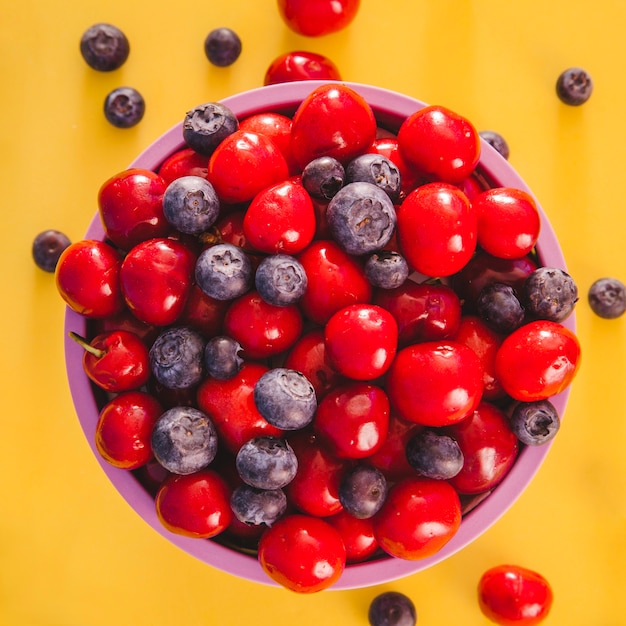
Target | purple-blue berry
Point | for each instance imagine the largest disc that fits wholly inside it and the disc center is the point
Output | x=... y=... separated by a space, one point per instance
x=176 y=357
x=285 y=398
x=386 y=269
x=361 y=218
x=104 y=47
x=224 y=271
x=184 y=440
x=124 y=107
x=191 y=205
x=377 y=170
x=255 y=506
x=434 y=455
x=222 y=46
x=206 y=125
x=280 y=279
x=574 y=86
x=222 y=357
x=549 y=293
x=362 y=491
x=607 y=298
x=323 y=177
x=392 y=608
x=266 y=463
x=497 y=142
x=48 y=247
x=534 y=423
x=499 y=307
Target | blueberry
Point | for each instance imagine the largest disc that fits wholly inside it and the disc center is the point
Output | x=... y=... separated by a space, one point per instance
x=266 y=463
x=258 y=506
x=224 y=271
x=48 y=247
x=184 y=440
x=500 y=308
x=176 y=357
x=392 y=608
x=549 y=293
x=222 y=358
x=574 y=86
x=534 y=423
x=206 y=125
x=607 y=298
x=104 y=47
x=361 y=218
x=323 y=177
x=386 y=269
x=222 y=46
x=496 y=141
x=191 y=205
x=362 y=491
x=434 y=455
x=285 y=398
x=280 y=279
x=377 y=170
x=124 y=107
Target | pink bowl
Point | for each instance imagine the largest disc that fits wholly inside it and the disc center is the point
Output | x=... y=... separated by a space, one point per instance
x=391 y=109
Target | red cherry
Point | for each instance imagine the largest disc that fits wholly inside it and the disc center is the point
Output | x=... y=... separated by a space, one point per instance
x=131 y=207
x=314 y=18
x=335 y=280
x=300 y=65
x=302 y=553
x=230 y=403
x=489 y=449
x=352 y=420
x=195 y=505
x=361 y=341
x=262 y=329
x=333 y=120
x=88 y=279
x=441 y=143
x=418 y=518
x=155 y=279
x=204 y=313
x=244 y=164
x=538 y=360
x=357 y=536
x=280 y=219
x=315 y=488
x=116 y=361
x=423 y=311
x=184 y=162
x=512 y=595
x=437 y=229
x=124 y=429
x=508 y=222
x=435 y=383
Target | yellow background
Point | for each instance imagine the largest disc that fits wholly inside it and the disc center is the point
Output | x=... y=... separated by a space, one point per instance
x=72 y=553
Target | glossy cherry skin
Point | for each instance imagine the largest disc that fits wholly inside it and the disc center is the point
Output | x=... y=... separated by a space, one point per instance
x=155 y=279
x=308 y=356
x=440 y=143
x=484 y=269
x=131 y=207
x=244 y=164
x=508 y=222
x=88 y=279
x=275 y=126
x=280 y=219
x=357 y=536
x=302 y=553
x=314 y=18
x=423 y=311
x=437 y=229
x=511 y=595
x=300 y=65
x=117 y=361
x=335 y=280
x=124 y=429
x=390 y=458
x=230 y=404
x=435 y=383
x=418 y=518
x=262 y=329
x=203 y=313
x=333 y=120
x=475 y=334
x=489 y=449
x=184 y=162
x=315 y=488
x=538 y=360
x=352 y=420
x=195 y=505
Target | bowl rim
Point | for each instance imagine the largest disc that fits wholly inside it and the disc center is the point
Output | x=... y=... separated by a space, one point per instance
x=388 y=106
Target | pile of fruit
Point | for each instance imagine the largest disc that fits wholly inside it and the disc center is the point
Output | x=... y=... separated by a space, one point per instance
x=316 y=339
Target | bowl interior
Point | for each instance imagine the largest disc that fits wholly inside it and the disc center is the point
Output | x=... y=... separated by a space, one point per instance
x=391 y=109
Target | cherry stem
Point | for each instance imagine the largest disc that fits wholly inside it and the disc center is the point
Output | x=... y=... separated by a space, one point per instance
x=81 y=341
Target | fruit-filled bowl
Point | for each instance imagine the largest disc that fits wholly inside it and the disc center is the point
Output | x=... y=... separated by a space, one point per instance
x=488 y=386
